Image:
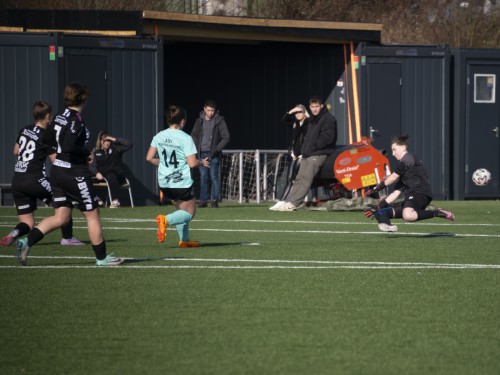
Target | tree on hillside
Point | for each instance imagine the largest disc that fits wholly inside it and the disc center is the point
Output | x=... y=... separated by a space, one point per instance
x=473 y=23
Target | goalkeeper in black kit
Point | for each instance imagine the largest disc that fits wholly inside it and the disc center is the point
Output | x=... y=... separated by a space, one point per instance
x=411 y=179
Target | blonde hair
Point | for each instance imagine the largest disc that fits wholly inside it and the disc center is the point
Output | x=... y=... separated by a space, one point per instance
x=102 y=135
x=304 y=109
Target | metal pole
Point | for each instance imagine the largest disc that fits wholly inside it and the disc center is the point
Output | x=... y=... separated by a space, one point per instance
x=264 y=178
x=257 y=174
x=276 y=170
x=241 y=177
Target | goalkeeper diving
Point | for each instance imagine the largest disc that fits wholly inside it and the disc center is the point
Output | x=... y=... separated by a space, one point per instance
x=410 y=178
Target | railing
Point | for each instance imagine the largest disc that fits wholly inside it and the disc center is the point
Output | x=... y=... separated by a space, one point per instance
x=252 y=175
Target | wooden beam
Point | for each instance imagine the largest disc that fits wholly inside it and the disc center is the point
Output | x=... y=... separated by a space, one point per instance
x=94 y=32
x=180 y=33
x=262 y=22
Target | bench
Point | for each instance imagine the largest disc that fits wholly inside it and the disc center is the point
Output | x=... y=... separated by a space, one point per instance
x=104 y=184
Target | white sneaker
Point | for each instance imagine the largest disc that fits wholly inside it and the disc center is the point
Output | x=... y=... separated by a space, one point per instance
x=277 y=205
x=287 y=206
x=387 y=228
x=115 y=204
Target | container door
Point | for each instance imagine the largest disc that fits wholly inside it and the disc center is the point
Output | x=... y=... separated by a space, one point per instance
x=383 y=105
x=482 y=143
x=90 y=70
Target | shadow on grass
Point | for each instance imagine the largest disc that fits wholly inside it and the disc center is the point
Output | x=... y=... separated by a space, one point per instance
x=430 y=235
x=85 y=243
x=140 y=260
x=219 y=244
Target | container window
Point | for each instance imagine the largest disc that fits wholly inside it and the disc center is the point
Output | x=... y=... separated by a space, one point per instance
x=484 y=88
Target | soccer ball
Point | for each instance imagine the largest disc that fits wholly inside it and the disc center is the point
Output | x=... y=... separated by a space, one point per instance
x=481 y=177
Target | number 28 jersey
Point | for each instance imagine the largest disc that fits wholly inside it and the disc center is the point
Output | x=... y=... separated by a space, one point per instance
x=32 y=152
x=173 y=147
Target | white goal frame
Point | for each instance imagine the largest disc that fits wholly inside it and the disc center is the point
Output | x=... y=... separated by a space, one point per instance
x=239 y=169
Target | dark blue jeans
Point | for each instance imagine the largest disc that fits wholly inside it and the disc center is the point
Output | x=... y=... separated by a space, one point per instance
x=210 y=176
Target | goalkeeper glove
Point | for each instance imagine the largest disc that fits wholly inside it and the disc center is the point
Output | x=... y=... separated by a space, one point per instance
x=373 y=208
x=376 y=188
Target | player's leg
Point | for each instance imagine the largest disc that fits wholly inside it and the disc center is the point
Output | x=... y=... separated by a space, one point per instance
x=94 y=229
x=61 y=216
x=23 y=227
x=384 y=216
x=185 y=203
x=25 y=192
x=415 y=209
x=67 y=235
x=188 y=207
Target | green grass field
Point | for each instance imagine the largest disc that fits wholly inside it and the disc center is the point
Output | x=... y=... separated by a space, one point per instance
x=302 y=292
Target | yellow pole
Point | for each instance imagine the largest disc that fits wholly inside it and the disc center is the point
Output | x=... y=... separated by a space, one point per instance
x=355 y=94
x=347 y=92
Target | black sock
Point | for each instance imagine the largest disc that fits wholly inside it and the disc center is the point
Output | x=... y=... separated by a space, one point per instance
x=441 y=214
x=100 y=250
x=425 y=214
x=34 y=236
x=397 y=212
x=67 y=230
x=22 y=229
x=383 y=215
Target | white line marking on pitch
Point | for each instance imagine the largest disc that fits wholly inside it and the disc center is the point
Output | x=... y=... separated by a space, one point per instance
x=307 y=232
x=123 y=266
x=318 y=264
x=313 y=232
x=312 y=222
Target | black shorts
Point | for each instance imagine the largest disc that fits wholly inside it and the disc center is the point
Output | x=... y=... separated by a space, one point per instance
x=73 y=187
x=181 y=194
x=416 y=201
x=26 y=190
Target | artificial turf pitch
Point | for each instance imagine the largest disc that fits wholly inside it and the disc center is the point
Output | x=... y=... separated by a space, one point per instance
x=304 y=292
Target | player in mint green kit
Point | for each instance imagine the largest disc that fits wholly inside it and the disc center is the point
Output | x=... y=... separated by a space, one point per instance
x=174 y=153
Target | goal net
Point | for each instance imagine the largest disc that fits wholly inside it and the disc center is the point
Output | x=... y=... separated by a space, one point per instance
x=253 y=175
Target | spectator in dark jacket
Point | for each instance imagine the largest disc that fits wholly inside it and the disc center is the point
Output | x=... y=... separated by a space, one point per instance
x=320 y=141
x=210 y=135
x=107 y=162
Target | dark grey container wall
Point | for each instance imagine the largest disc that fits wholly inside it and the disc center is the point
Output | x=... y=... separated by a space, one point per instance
x=26 y=75
x=476 y=126
x=123 y=75
x=406 y=89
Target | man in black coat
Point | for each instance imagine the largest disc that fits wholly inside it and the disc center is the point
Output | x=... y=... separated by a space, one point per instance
x=320 y=141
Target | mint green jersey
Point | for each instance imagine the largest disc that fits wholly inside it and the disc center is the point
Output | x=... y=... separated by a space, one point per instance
x=173 y=147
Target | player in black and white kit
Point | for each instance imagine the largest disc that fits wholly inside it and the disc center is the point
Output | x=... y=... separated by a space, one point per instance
x=70 y=177
x=30 y=182
x=411 y=178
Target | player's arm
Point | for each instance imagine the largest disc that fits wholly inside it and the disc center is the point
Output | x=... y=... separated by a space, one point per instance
x=16 y=149
x=393 y=196
x=151 y=156
x=52 y=157
x=389 y=180
x=392 y=178
x=121 y=144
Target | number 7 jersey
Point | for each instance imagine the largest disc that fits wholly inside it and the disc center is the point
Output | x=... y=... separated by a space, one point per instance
x=173 y=147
